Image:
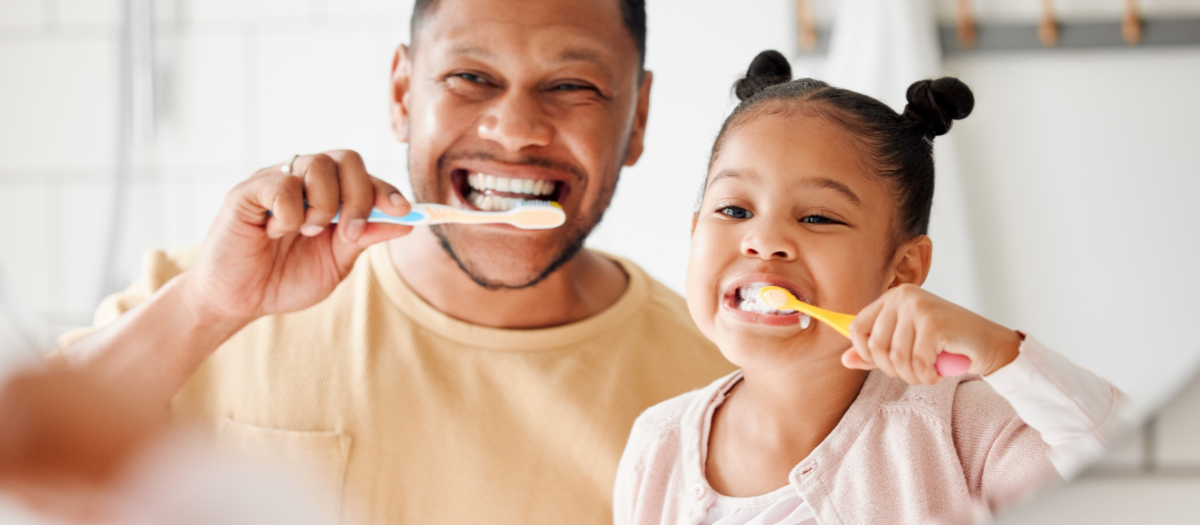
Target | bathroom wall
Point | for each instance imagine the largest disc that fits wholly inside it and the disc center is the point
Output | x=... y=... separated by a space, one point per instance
x=1081 y=165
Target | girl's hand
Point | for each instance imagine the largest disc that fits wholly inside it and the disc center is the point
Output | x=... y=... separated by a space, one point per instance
x=903 y=331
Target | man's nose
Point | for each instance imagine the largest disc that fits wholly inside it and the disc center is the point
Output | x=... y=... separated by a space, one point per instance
x=516 y=122
x=768 y=243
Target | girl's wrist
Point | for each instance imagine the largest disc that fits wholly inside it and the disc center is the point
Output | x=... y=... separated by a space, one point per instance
x=1006 y=348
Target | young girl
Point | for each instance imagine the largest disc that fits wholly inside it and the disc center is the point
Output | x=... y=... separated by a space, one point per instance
x=827 y=193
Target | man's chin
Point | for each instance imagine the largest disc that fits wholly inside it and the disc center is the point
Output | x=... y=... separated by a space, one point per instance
x=509 y=265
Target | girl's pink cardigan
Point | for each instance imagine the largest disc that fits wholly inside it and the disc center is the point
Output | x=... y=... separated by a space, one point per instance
x=946 y=453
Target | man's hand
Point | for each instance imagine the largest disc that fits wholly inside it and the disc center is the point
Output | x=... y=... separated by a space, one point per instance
x=903 y=331
x=256 y=263
x=253 y=264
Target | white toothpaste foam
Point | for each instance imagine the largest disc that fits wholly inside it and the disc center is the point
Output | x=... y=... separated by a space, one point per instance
x=752 y=302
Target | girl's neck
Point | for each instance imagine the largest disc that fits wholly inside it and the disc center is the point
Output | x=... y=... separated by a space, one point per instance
x=802 y=403
x=774 y=419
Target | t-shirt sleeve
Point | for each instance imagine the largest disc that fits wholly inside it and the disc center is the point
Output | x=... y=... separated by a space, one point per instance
x=158 y=267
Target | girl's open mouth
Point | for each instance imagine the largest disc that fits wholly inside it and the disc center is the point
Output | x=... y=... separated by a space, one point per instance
x=745 y=304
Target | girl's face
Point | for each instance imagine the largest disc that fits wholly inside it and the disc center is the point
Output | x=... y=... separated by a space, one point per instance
x=789 y=202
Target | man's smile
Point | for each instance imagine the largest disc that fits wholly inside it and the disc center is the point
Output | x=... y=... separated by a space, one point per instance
x=491 y=192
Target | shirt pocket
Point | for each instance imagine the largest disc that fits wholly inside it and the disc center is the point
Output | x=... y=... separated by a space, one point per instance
x=319 y=458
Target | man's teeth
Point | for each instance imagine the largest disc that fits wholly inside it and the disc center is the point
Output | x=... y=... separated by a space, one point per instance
x=492 y=202
x=481 y=182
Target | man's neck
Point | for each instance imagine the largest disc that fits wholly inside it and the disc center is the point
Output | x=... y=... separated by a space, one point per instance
x=581 y=288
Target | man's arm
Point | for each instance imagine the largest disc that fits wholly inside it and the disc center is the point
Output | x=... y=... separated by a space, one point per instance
x=156 y=346
x=271 y=250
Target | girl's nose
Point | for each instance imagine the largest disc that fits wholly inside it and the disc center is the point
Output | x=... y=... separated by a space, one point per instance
x=768 y=244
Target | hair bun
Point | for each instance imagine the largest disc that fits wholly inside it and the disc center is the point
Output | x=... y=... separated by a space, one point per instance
x=936 y=104
x=768 y=68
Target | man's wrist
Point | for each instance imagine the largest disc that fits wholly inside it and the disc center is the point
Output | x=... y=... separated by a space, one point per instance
x=201 y=326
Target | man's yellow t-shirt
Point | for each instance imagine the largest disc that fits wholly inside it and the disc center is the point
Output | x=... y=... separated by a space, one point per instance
x=411 y=416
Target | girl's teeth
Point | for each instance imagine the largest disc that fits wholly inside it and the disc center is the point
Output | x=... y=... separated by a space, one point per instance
x=751 y=302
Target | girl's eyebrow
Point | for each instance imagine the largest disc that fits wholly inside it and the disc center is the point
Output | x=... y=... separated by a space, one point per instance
x=730 y=174
x=836 y=186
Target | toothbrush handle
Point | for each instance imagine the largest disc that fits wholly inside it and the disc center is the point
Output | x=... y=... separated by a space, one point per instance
x=950 y=365
x=416 y=217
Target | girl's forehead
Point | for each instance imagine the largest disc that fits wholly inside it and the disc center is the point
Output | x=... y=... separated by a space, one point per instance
x=786 y=148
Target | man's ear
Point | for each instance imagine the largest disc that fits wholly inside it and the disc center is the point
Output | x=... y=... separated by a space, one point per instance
x=401 y=75
x=637 y=136
x=912 y=262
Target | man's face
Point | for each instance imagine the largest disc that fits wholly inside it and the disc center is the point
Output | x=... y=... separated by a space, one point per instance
x=502 y=102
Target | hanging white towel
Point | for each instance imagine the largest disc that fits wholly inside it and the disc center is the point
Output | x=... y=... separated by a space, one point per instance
x=879 y=48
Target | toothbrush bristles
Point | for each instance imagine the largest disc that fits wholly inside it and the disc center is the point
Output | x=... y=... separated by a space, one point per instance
x=775 y=298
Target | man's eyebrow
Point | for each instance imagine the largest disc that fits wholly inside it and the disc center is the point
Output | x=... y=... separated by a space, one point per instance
x=470 y=50
x=836 y=186
x=581 y=54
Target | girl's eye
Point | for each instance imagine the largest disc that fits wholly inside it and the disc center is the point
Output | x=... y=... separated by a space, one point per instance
x=818 y=219
x=736 y=212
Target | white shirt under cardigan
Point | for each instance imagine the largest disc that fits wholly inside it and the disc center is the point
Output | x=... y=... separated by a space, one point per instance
x=1073 y=411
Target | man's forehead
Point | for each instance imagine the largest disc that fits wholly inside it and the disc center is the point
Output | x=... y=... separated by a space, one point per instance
x=587 y=30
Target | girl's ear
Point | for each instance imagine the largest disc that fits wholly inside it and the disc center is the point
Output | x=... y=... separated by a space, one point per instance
x=911 y=265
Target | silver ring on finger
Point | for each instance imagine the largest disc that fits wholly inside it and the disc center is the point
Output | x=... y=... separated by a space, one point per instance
x=287 y=166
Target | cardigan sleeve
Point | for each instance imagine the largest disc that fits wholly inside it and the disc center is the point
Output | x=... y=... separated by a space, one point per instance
x=1075 y=412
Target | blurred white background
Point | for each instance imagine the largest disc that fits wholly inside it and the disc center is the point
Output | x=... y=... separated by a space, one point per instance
x=1081 y=167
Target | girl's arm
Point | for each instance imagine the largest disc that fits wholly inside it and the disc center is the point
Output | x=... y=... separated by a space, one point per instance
x=1074 y=411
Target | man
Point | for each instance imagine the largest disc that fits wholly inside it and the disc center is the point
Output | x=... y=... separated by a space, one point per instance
x=455 y=374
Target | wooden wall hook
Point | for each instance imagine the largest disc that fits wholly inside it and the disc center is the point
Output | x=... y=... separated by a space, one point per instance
x=1048 y=27
x=1131 y=23
x=806 y=26
x=966 y=24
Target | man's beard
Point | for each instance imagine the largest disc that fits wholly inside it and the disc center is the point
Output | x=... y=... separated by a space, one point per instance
x=567 y=250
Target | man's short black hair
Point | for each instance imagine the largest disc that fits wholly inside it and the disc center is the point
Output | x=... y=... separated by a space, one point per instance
x=633 y=12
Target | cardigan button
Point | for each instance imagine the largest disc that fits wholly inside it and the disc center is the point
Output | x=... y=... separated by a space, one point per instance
x=698 y=491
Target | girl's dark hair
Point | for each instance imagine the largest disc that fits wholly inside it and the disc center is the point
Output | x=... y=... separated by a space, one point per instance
x=898 y=146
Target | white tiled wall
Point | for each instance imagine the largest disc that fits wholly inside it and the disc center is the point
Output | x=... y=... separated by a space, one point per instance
x=246 y=83
x=239 y=84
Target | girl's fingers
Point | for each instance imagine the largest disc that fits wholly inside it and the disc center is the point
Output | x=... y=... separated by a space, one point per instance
x=850 y=359
x=880 y=341
x=925 y=351
x=902 y=350
x=860 y=331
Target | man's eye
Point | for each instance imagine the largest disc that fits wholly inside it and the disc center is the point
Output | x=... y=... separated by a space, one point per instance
x=569 y=87
x=736 y=212
x=471 y=77
x=818 y=219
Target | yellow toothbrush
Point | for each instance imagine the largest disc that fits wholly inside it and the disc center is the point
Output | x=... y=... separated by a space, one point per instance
x=784 y=300
x=947 y=364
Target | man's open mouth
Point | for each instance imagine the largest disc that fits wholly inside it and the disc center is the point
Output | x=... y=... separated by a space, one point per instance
x=495 y=193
